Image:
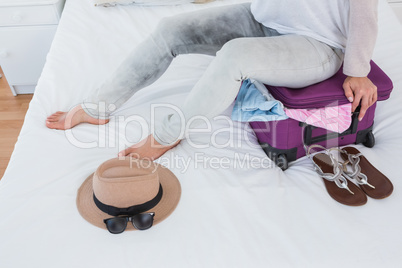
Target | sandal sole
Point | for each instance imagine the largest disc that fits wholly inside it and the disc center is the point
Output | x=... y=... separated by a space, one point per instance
x=342 y=196
x=383 y=186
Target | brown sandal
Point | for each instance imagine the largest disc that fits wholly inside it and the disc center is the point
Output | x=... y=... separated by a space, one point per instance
x=371 y=180
x=336 y=184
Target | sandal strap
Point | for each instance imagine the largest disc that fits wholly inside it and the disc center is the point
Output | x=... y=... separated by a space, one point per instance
x=317 y=167
x=354 y=160
x=308 y=149
x=337 y=176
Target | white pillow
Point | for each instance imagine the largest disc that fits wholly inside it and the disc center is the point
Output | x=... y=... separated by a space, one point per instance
x=110 y=3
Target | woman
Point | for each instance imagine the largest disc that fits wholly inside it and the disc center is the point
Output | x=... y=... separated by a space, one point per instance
x=284 y=43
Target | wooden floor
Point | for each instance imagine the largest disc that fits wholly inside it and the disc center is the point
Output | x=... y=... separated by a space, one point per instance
x=12 y=113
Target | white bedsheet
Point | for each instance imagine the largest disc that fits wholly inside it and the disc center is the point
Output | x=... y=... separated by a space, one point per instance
x=234 y=216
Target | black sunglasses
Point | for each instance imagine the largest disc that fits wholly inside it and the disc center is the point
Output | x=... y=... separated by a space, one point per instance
x=140 y=221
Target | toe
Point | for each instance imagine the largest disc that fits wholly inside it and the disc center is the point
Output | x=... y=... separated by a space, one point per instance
x=128 y=152
x=51 y=119
x=52 y=124
x=55 y=115
x=49 y=124
x=122 y=153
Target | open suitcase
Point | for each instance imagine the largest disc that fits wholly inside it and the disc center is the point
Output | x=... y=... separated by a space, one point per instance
x=283 y=141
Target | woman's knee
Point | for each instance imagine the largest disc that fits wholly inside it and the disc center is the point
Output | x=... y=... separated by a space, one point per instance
x=233 y=54
x=167 y=33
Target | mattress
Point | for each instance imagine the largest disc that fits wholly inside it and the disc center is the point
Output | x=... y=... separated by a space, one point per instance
x=236 y=210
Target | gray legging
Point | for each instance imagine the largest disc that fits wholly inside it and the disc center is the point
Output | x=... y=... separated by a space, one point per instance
x=244 y=49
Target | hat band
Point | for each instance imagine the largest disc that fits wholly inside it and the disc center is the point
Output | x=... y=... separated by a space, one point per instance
x=115 y=211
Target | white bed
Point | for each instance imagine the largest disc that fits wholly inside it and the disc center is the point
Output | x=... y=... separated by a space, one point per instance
x=229 y=217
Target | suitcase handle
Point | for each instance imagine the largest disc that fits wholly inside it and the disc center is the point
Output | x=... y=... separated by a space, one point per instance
x=308 y=138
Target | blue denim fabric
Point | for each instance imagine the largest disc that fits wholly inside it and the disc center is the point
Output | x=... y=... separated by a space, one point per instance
x=251 y=105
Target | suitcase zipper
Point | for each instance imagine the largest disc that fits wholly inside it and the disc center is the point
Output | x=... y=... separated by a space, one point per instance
x=317 y=102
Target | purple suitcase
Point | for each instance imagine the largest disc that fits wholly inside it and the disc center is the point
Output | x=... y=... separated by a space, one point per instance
x=283 y=141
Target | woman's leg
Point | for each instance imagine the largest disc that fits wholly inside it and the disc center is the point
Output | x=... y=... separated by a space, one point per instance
x=202 y=32
x=287 y=60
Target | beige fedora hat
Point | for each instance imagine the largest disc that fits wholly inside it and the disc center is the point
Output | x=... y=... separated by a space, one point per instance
x=123 y=186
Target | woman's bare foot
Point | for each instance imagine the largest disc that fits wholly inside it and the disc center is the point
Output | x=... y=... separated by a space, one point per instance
x=148 y=148
x=67 y=120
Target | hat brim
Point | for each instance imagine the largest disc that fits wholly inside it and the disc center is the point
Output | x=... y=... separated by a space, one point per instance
x=170 y=198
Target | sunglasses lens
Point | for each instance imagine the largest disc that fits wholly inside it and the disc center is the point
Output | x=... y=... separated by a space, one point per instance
x=143 y=221
x=116 y=225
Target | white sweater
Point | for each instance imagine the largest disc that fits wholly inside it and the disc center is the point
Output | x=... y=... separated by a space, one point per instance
x=350 y=25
